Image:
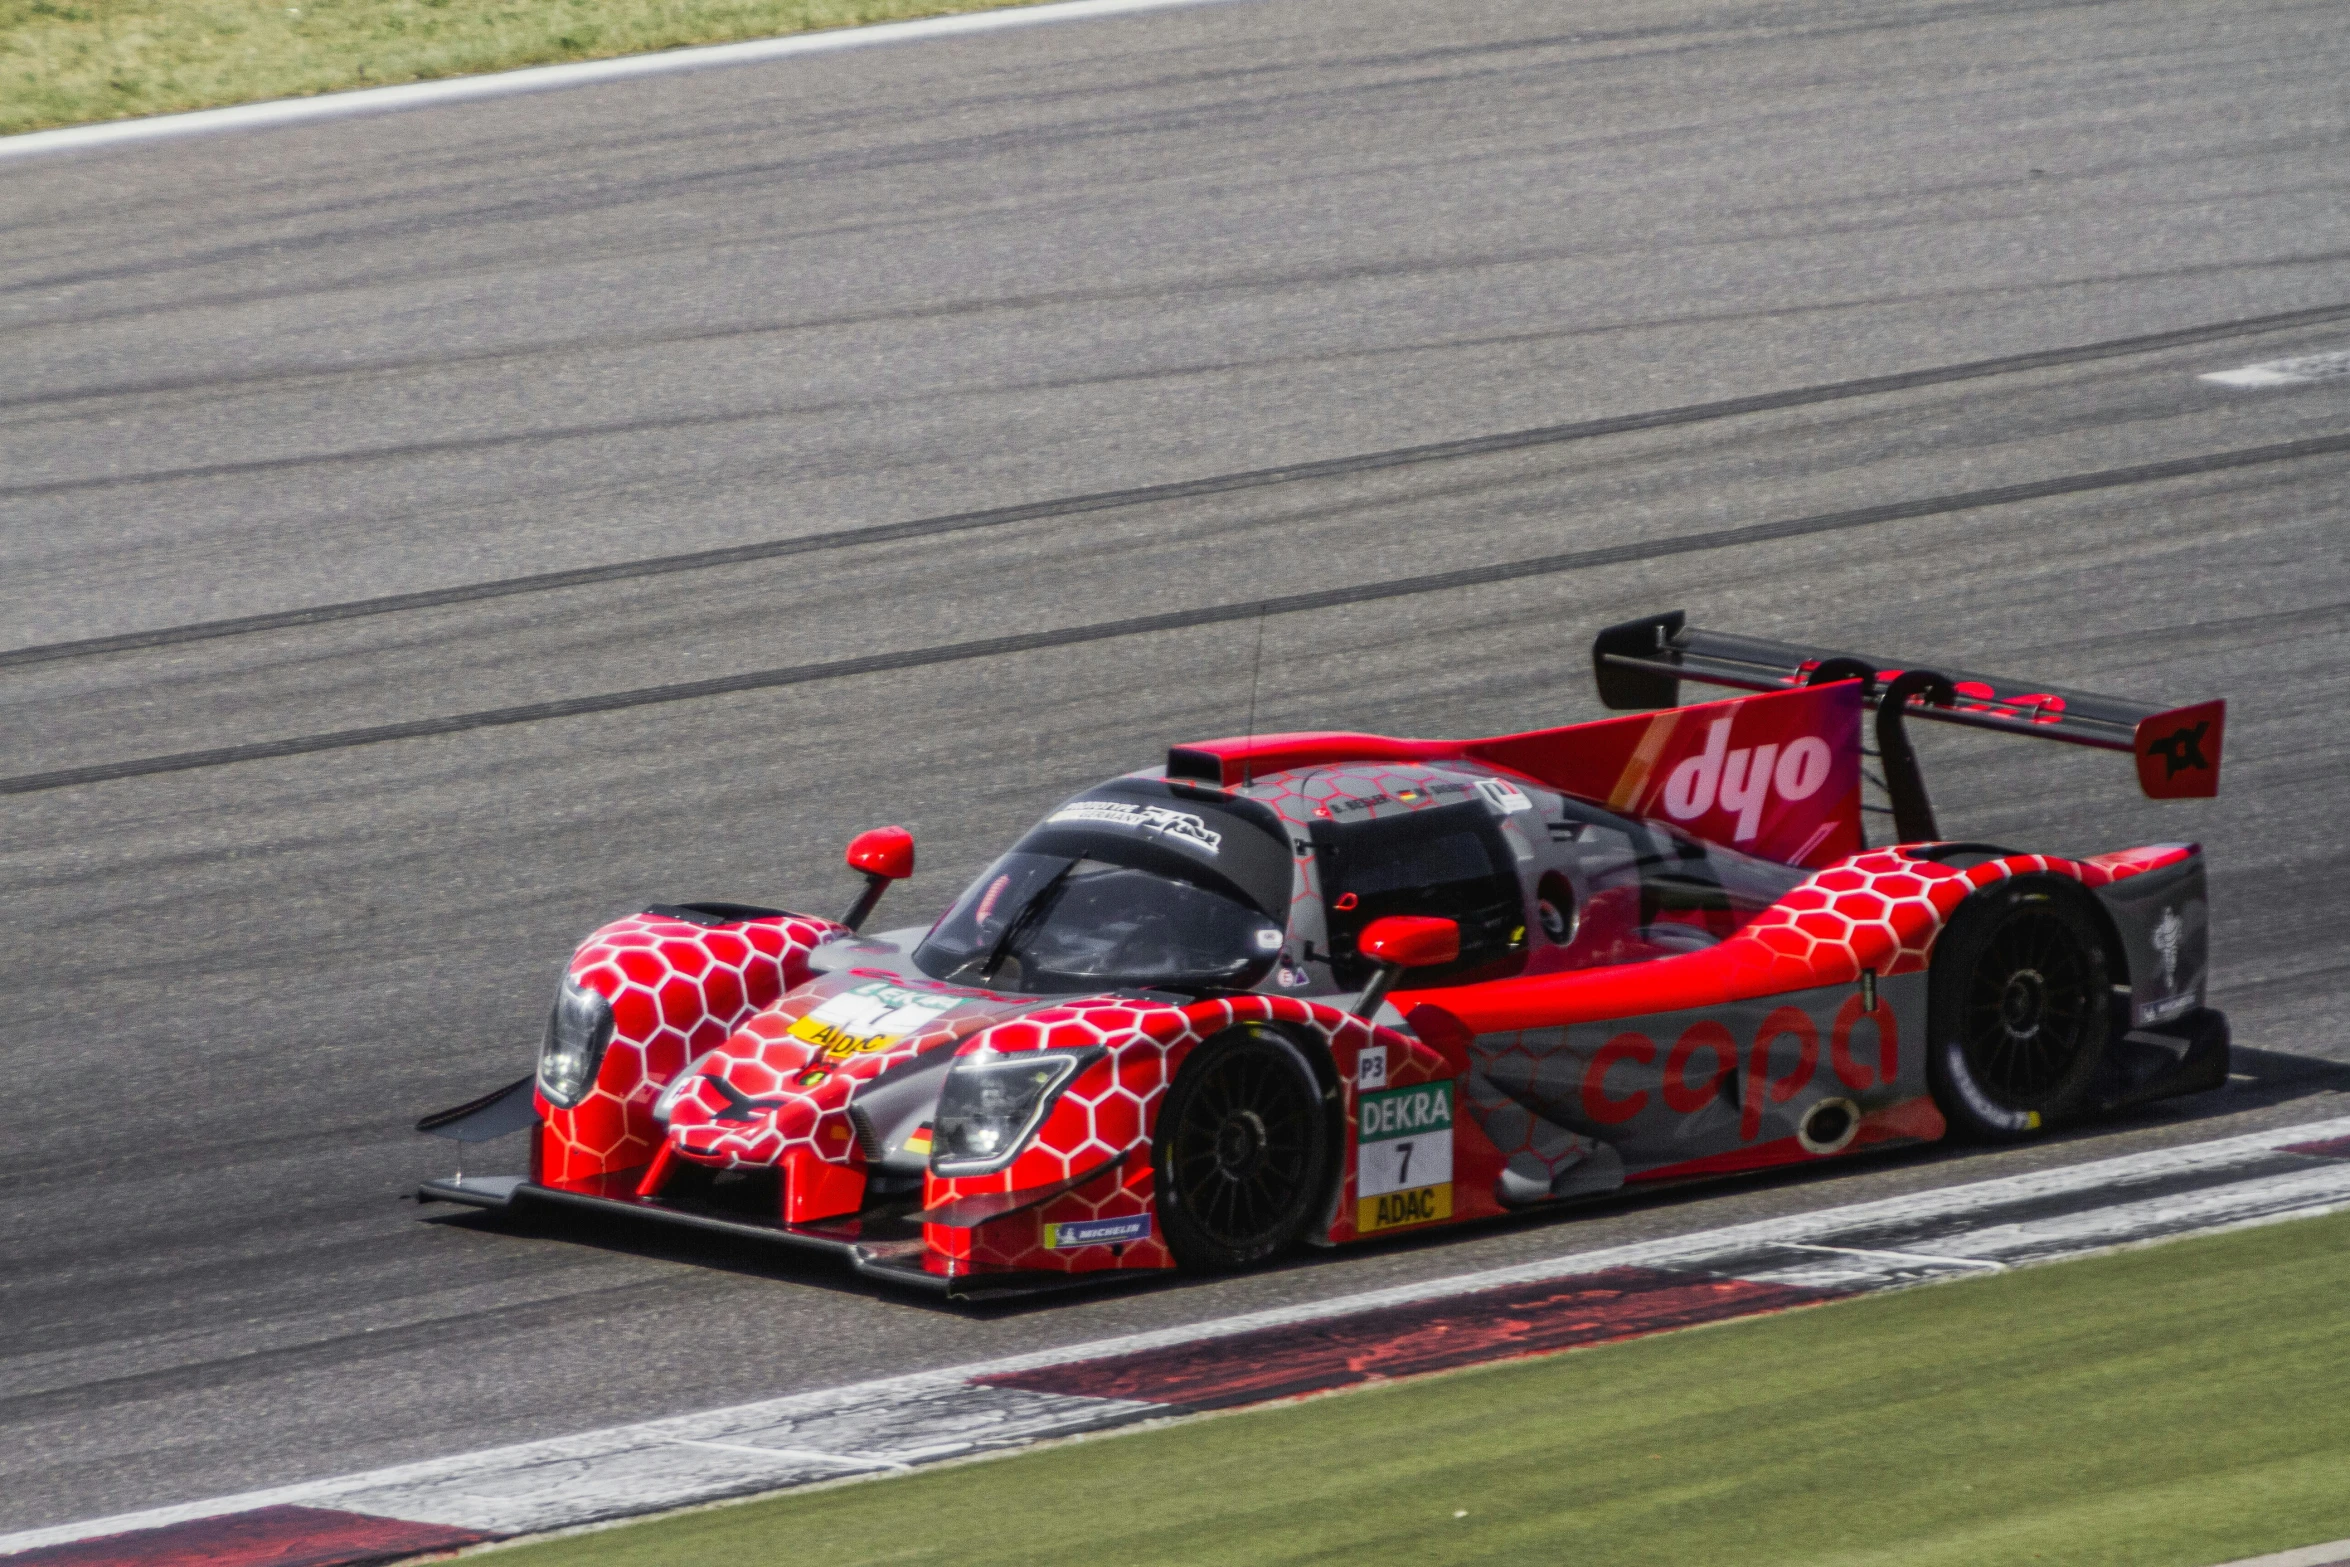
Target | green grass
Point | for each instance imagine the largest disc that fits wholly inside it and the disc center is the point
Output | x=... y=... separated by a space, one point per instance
x=63 y=62
x=2185 y=1404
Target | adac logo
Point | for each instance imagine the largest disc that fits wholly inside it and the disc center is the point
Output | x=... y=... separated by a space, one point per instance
x=867 y=1019
x=2181 y=749
x=1418 y=1206
x=1741 y=781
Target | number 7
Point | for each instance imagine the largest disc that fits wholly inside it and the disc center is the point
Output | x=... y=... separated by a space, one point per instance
x=1403 y=1171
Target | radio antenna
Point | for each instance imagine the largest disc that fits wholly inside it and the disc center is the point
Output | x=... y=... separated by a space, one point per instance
x=1248 y=766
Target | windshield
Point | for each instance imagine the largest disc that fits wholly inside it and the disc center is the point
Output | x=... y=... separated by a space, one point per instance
x=1137 y=882
x=1047 y=924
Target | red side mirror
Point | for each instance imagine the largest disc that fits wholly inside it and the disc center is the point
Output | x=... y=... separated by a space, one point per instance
x=884 y=855
x=887 y=852
x=1410 y=941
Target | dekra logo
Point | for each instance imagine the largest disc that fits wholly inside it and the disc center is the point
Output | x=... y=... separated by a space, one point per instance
x=1402 y=1111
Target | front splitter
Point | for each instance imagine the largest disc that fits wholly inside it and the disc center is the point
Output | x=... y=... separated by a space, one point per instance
x=896 y=1259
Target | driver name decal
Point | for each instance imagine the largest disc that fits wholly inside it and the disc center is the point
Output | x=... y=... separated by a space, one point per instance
x=871 y=1017
x=1181 y=826
x=1403 y=1156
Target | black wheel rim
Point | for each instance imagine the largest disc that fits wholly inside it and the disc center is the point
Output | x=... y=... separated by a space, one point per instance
x=1242 y=1145
x=2029 y=1010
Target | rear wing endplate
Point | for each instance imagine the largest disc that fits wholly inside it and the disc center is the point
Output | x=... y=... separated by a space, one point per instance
x=1641 y=664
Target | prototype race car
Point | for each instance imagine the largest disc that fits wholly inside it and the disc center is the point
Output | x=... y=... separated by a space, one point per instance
x=1330 y=987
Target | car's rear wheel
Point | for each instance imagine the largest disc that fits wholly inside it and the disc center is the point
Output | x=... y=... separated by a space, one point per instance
x=2020 y=1010
x=1242 y=1151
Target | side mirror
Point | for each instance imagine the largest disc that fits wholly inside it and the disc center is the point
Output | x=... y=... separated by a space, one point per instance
x=1399 y=942
x=881 y=856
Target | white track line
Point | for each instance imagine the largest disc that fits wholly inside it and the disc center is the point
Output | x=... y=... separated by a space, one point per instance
x=1982 y=1263
x=2331 y=1554
x=886 y=1425
x=2296 y=1195
x=2300 y=371
x=550 y=78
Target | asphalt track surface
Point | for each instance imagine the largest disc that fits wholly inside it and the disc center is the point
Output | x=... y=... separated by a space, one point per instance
x=996 y=382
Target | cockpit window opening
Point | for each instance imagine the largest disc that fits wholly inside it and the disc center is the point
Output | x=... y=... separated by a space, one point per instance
x=1449 y=862
x=1130 y=885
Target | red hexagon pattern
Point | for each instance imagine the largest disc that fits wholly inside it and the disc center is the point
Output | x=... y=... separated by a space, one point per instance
x=803 y=1095
x=677 y=989
x=680 y=992
x=1106 y=1118
x=1882 y=910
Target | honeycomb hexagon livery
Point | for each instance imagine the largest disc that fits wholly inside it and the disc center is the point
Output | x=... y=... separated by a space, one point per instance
x=1321 y=988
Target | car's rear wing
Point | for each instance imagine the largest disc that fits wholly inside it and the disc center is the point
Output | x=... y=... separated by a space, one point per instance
x=1641 y=664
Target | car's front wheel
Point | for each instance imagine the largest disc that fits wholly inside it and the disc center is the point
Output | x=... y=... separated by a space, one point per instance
x=1241 y=1151
x=2020 y=1010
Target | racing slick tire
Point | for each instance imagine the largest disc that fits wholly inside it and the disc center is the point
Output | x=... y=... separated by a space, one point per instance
x=2019 y=1010
x=1241 y=1152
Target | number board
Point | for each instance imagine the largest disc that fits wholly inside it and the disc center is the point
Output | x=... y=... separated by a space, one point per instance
x=870 y=1018
x=1403 y=1156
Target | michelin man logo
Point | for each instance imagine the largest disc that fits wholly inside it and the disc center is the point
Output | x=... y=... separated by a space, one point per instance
x=2170 y=934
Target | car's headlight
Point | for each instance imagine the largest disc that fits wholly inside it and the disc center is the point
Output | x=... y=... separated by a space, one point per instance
x=991 y=1105
x=577 y=1031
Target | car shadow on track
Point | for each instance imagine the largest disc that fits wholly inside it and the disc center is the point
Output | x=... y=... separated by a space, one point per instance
x=2262 y=1079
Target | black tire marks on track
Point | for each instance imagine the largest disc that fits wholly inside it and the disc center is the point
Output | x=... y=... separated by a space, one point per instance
x=1064 y=506
x=1177 y=620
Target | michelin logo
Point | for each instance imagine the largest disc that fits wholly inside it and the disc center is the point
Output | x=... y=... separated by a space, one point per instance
x=1096 y=1232
x=1182 y=826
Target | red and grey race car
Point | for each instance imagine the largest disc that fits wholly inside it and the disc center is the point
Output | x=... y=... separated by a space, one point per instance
x=1329 y=987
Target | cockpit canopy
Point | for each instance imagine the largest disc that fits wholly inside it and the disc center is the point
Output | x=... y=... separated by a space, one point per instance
x=1150 y=883
x=1136 y=883
x=1450 y=861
